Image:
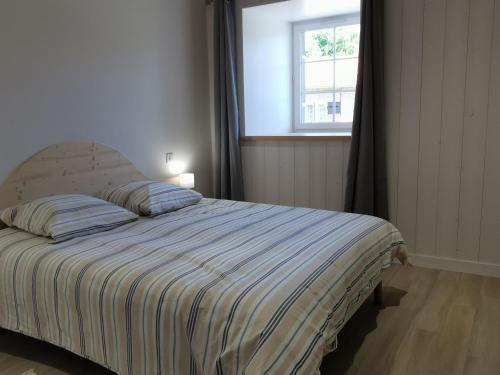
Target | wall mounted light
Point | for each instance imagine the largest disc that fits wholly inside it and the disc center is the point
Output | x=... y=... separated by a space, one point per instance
x=186 y=180
x=175 y=167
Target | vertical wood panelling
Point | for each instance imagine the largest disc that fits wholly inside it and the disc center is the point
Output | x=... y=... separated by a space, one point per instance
x=393 y=40
x=317 y=168
x=250 y=176
x=334 y=175
x=347 y=150
x=490 y=230
x=430 y=124
x=443 y=134
x=302 y=174
x=286 y=173
x=413 y=15
x=455 y=63
x=260 y=186
x=476 y=108
x=271 y=165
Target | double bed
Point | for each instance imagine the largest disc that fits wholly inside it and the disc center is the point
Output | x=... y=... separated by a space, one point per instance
x=219 y=287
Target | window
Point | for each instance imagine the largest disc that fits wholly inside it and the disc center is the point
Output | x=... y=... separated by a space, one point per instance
x=325 y=73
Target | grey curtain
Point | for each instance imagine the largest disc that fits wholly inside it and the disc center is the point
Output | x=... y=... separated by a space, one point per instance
x=228 y=168
x=366 y=191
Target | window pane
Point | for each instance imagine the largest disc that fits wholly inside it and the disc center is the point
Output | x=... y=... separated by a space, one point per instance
x=318 y=75
x=344 y=106
x=346 y=74
x=347 y=41
x=318 y=43
x=317 y=108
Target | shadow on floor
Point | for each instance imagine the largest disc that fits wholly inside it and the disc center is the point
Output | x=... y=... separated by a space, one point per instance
x=26 y=353
x=355 y=331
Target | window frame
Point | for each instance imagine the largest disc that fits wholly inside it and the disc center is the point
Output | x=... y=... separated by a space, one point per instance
x=298 y=30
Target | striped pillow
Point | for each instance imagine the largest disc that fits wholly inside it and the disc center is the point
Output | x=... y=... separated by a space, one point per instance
x=63 y=217
x=150 y=198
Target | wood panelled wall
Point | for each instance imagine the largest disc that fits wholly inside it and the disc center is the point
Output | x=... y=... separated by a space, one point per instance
x=443 y=94
x=299 y=173
x=443 y=115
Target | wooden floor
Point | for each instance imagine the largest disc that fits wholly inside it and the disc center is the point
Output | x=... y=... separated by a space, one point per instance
x=433 y=323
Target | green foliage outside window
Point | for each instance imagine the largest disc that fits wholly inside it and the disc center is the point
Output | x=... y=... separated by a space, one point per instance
x=346 y=45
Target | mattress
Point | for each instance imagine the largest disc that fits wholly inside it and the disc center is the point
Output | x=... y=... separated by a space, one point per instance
x=220 y=287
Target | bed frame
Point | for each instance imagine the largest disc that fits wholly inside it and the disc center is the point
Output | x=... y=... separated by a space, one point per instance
x=77 y=168
x=67 y=168
x=378 y=295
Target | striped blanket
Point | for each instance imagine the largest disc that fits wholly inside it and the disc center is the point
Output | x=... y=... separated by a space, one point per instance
x=220 y=287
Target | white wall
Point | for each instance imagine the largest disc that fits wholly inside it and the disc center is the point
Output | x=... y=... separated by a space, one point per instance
x=130 y=74
x=267 y=51
x=443 y=113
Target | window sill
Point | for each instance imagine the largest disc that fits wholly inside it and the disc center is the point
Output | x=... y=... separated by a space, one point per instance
x=298 y=137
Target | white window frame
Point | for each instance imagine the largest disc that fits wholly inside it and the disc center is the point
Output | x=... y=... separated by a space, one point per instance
x=299 y=28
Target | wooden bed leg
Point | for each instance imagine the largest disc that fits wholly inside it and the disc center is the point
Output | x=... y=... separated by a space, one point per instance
x=378 y=295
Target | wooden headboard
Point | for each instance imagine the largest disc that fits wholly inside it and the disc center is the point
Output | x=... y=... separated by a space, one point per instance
x=67 y=168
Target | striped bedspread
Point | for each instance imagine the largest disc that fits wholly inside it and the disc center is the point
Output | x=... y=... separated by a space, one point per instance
x=220 y=287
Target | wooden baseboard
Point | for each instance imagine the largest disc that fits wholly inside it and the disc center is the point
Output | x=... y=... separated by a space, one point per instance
x=456 y=265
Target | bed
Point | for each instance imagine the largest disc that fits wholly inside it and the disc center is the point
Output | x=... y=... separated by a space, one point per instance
x=220 y=287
